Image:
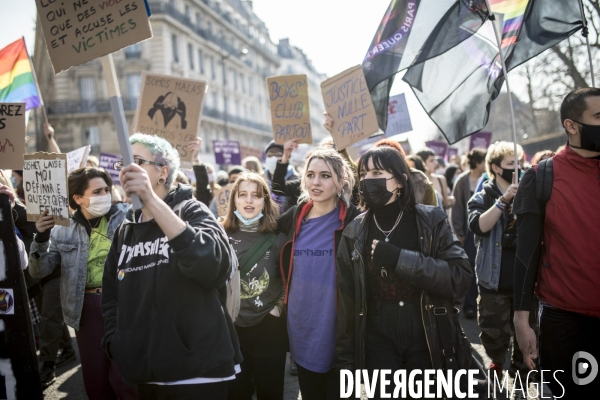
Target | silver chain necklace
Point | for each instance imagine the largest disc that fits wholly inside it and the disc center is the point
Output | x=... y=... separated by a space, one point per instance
x=388 y=233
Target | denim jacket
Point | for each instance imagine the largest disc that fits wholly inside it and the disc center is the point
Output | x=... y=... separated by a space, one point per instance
x=489 y=244
x=68 y=248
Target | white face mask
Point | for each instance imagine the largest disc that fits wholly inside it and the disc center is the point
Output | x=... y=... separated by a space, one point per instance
x=271 y=164
x=99 y=205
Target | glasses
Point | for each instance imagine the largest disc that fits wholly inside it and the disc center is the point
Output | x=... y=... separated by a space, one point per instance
x=139 y=161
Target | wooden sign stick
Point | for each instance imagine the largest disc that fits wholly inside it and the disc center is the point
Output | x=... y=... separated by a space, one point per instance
x=116 y=104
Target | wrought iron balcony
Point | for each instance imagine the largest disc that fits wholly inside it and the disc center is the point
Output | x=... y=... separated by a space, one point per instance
x=87 y=106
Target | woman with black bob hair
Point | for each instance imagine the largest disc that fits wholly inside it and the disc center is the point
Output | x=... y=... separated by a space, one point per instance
x=400 y=268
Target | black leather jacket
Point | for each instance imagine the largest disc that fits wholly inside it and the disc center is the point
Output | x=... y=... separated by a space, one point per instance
x=441 y=269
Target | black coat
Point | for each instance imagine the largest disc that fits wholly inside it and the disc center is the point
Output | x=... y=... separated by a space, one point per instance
x=440 y=268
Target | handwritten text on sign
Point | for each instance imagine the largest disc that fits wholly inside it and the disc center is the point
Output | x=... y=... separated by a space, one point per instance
x=227 y=152
x=348 y=102
x=290 y=114
x=222 y=199
x=78 y=31
x=170 y=107
x=45 y=185
x=12 y=135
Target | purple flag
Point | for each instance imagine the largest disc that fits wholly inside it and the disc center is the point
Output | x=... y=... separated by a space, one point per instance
x=452 y=151
x=227 y=152
x=482 y=140
x=107 y=161
x=439 y=147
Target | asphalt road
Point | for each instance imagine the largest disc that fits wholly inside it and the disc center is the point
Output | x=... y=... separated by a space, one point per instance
x=69 y=382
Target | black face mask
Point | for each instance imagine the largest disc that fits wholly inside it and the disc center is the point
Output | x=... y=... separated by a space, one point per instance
x=507 y=174
x=590 y=137
x=374 y=192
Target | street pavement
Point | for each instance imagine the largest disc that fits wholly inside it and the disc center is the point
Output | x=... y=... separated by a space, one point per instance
x=69 y=382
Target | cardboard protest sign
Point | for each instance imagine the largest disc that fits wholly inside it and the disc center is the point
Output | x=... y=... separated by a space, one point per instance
x=398 y=116
x=170 y=107
x=439 y=147
x=106 y=161
x=348 y=101
x=290 y=113
x=222 y=199
x=77 y=158
x=78 y=31
x=12 y=135
x=481 y=140
x=227 y=152
x=45 y=186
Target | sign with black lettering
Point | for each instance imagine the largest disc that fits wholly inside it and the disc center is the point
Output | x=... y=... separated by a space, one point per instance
x=348 y=102
x=12 y=135
x=170 y=107
x=290 y=113
x=45 y=186
x=78 y=31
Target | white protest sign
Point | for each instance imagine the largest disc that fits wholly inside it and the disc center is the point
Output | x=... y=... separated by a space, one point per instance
x=77 y=158
x=45 y=186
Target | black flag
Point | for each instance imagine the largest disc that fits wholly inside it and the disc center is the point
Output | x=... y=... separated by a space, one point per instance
x=457 y=87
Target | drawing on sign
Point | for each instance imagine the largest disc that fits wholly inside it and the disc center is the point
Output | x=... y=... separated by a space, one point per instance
x=45 y=186
x=7 y=302
x=290 y=114
x=222 y=199
x=12 y=135
x=348 y=101
x=7 y=147
x=169 y=106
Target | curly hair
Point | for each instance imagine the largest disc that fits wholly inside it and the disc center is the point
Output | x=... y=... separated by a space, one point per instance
x=498 y=151
x=161 y=151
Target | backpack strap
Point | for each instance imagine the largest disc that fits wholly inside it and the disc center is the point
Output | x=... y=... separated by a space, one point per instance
x=544 y=175
x=255 y=253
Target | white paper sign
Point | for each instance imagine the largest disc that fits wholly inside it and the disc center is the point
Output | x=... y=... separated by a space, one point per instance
x=77 y=158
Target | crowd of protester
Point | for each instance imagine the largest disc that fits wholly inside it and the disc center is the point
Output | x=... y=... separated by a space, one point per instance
x=345 y=264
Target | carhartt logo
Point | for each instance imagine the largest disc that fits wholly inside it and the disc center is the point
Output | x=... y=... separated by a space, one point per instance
x=313 y=253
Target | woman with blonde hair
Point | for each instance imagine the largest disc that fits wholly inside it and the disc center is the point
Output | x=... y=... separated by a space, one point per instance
x=251 y=224
x=314 y=228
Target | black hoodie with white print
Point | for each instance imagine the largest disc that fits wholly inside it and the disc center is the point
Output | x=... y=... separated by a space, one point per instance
x=164 y=320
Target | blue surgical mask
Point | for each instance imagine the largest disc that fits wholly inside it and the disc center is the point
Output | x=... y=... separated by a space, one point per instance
x=247 y=221
x=14 y=182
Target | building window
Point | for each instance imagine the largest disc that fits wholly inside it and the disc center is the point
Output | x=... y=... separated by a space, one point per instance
x=198 y=20
x=243 y=81
x=175 y=47
x=250 y=85
x=172 y=3
x=87 y=93
x=133 y=51
x=91 y=136
x=188 y=13
x=215 y=101
x=213 y=73
x=201 y=61
x=235 y=81
x=134 y=86
x=191 y=56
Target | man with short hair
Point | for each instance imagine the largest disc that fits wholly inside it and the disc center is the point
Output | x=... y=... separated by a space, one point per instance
x=568 y=283
x=492 y=220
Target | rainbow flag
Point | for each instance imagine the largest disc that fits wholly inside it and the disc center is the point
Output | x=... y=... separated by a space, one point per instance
x=17 y=82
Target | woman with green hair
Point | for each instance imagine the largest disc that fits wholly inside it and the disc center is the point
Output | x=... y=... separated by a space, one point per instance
x=166 y=326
